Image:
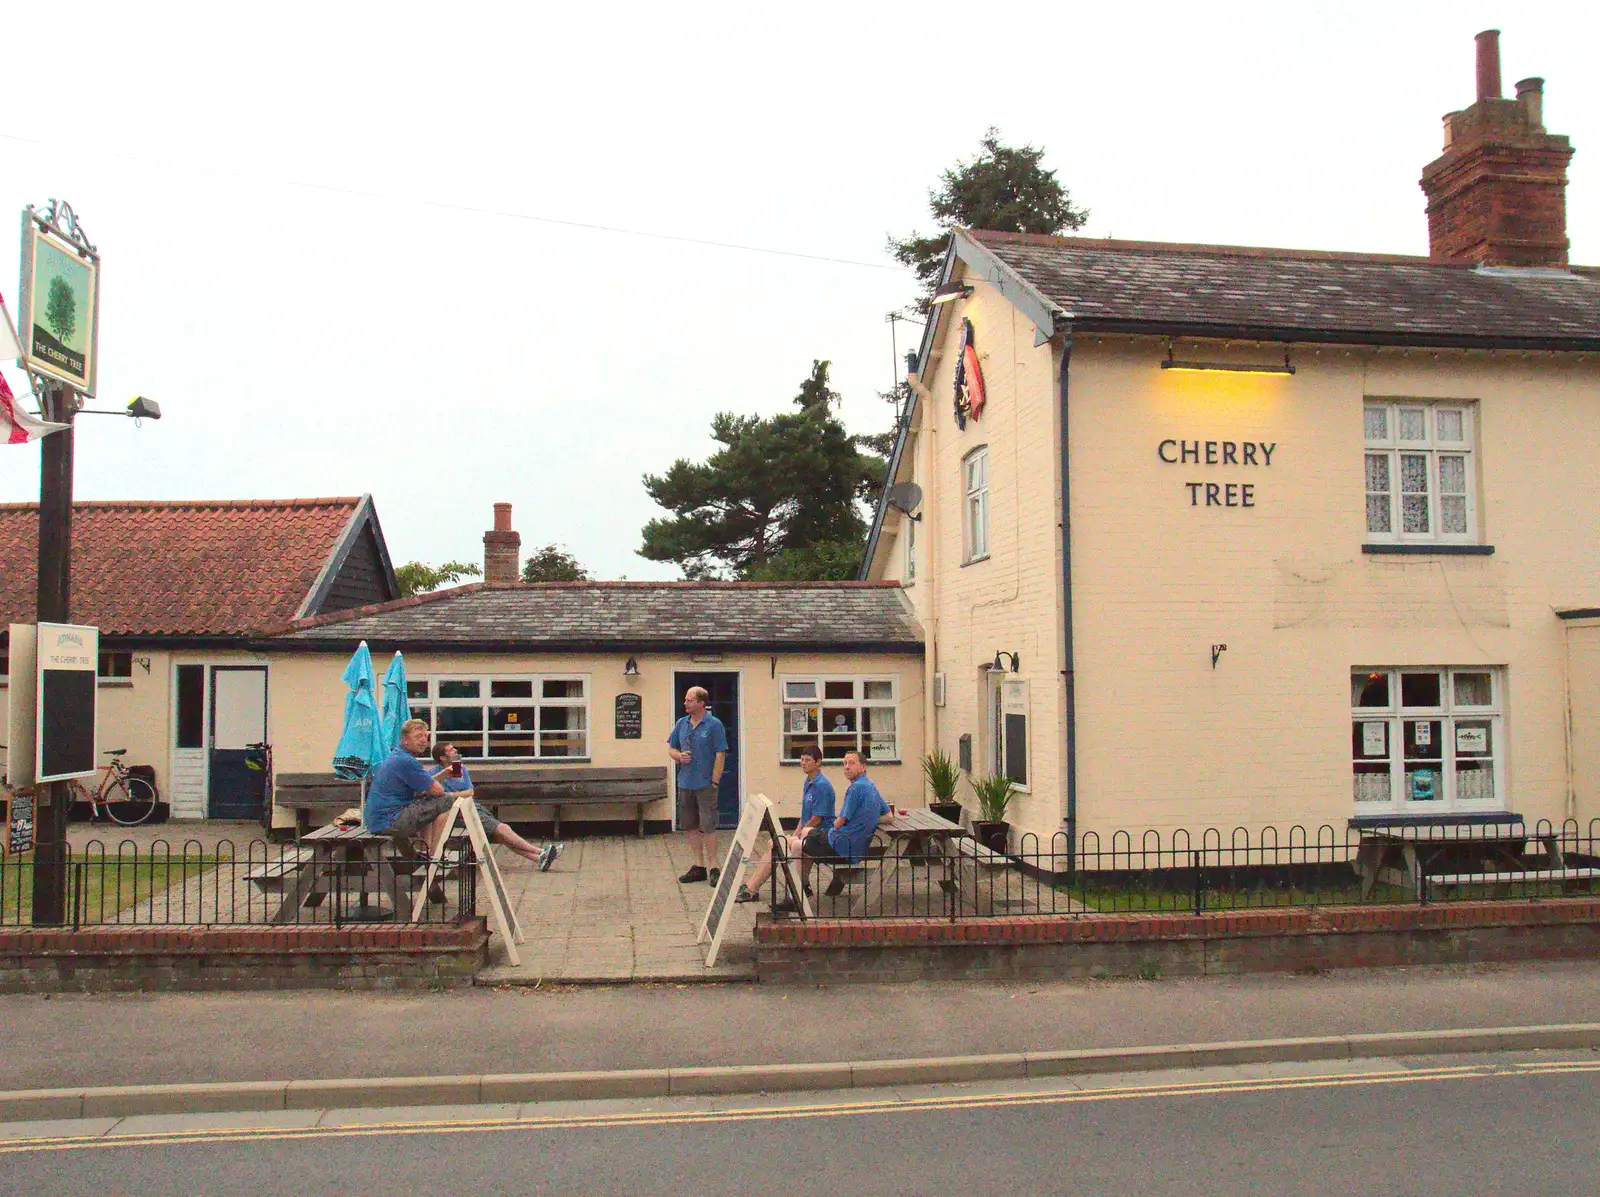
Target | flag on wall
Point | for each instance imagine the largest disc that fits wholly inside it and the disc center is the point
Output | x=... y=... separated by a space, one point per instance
x=17 y=425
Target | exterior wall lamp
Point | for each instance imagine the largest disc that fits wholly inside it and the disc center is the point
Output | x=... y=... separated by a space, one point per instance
x=1216 y=651
x=1229 y=367
x=630 y=668
x=999 y=666
x=950 y=292
x=140 y=409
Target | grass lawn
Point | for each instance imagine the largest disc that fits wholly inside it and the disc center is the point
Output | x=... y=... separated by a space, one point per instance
x=109 y=887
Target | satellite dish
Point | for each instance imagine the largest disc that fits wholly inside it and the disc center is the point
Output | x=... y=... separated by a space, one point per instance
x=905 y=497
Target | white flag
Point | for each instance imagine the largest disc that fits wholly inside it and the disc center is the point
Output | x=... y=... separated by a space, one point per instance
x=18 y=426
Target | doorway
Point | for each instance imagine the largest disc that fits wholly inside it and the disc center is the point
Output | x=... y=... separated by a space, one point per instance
x=724 y=704
x=238 y=720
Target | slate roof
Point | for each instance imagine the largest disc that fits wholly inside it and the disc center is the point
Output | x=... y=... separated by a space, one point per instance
x=1302 y=295
x=209 y=570
x=632 y=616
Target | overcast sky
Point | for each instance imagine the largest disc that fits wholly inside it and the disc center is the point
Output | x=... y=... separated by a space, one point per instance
x=333 y=252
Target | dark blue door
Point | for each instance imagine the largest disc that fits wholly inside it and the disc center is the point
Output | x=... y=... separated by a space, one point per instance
x=724 y=691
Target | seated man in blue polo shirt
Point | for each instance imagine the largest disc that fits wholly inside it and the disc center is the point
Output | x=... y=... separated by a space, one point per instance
x=816 y=812
x=850 y=836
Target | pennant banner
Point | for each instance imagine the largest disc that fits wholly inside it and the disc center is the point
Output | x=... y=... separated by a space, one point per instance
x=17 y=425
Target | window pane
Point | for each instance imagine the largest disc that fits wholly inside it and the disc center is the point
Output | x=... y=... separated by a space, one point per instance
x=799 y=719
x=800 y=690
x=836 y=720
x=1379 y=506
x=566 y=688
x=793 y=744
x=460 y=719
x=1413 y=424
x=514 y=719
x=504 y=689
x=1369 y=690
x=1453 y=515
x=844 y=690
x=1377 y=423
x=191 y=706
x=1370 y=739
x=1373 y=782
x=416 y=690
x=1378 y=473
x=1378 y=514
x=1449 y=424
x=1452 y=474
x=458 y=688
x=1420 y=690
x=880 y=691
x=1413 y=473
x=1473 y=690
x=1414 y=513
x=878 y=721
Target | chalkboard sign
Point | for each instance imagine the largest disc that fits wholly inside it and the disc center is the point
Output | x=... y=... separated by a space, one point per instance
x=18 y=824
x=757 y=817
x=630 y=717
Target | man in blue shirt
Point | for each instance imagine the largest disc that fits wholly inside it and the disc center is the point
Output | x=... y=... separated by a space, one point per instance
x=401 y=781
x=816 y=810
x=457 y=783
x=851 y=832
x=699 y=746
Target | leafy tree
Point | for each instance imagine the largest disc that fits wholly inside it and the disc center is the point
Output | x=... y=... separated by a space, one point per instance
x=416 y=578
x=777 y=486
x=1003 y=188
x=61 y=309
x=827 y=561
x=553 y=564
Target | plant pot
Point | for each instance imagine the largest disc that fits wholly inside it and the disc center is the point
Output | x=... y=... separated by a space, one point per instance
x=993 y=836
x=947 y=810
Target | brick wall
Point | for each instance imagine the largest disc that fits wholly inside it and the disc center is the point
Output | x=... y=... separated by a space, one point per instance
x=103 y=959
x=1158 y=945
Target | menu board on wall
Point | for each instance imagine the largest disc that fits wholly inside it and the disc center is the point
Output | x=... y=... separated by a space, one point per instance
x=630 y=717
x=18 y=824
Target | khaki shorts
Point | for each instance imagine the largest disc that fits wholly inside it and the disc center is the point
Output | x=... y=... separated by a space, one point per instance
x=697 y=809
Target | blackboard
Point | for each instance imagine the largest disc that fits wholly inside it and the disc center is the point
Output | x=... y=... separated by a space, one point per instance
x=66 y=728
x=757 y=817
x=630 y=717
x=18 y=824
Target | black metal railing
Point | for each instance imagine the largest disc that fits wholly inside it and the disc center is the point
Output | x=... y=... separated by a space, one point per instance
x=1179 y=871
x=252 y=883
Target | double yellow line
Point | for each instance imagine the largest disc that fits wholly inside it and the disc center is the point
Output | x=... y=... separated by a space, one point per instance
x=817 y=1110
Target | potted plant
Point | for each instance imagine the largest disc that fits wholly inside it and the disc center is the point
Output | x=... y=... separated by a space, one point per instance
x=994 y=794
x=943 y=777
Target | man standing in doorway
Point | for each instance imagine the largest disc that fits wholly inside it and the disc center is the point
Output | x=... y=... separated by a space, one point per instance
x=699 y=746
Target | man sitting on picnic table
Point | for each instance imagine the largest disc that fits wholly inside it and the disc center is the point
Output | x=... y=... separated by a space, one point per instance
x=816 y=811
x=404 y=797
x=851 y=834
x=449 y=756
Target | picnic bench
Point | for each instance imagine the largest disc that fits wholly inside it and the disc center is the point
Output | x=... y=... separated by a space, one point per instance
x=561 y=787
x=332 y=860
x=1489 y=849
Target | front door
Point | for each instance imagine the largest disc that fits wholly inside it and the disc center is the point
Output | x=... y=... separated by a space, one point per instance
x=724 y=691
x=238 y=720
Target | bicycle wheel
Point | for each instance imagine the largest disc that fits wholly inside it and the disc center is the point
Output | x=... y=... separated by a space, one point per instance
x=130 y=800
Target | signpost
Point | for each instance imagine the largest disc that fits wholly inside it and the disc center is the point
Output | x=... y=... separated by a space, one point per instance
x=65 y=701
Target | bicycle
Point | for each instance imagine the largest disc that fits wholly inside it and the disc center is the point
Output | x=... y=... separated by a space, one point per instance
x=258 y=759
x=127 y=800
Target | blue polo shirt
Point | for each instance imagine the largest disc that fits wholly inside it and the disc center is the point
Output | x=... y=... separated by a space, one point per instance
x=457 y=785
x=816 y=799
x=702 y=743
x=400 y=779
x=863 y=806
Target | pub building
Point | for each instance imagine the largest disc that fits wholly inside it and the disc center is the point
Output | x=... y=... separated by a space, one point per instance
x=1210 y=536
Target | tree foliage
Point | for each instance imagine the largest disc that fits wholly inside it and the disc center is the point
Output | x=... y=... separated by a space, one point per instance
x=776 y=491
x=416 y=578
x=1003 y=188
x=553 y=564
x=61 y=309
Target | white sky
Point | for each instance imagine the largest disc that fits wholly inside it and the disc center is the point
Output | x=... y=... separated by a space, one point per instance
x=265 y=186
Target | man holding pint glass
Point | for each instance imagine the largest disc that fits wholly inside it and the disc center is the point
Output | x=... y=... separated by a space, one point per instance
x=698 y=745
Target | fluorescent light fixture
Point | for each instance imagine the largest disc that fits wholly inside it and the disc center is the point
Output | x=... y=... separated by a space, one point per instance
x=1230 y=367
x=950 y=291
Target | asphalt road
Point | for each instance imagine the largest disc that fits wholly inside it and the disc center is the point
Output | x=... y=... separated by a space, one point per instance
x=1520 y=1124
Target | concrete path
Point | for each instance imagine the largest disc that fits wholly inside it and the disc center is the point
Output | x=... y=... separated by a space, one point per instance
x=612 y=909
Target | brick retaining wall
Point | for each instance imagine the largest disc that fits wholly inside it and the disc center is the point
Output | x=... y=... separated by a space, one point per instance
x=103 y=959
x=1028 y=947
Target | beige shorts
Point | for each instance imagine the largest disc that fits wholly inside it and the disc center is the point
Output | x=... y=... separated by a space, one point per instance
x=697 y=809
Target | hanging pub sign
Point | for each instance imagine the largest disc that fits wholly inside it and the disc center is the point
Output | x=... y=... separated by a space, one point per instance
x=970 y=396
x=59 y=316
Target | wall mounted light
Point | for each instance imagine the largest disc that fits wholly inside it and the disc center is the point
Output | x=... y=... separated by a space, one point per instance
x=1216 y=651
x=630 y=668
x=143 y=663
x=949 y=292
x=139 y=408
x=999 y=666
x=1229 y=367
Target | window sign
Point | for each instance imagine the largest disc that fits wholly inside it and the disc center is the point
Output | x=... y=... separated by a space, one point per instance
x=1374 y=739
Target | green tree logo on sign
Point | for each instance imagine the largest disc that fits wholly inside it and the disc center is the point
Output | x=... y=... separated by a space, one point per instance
x=61 y=309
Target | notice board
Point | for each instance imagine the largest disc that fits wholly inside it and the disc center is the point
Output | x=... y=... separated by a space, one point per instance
x=630 y=717
x=69 y=659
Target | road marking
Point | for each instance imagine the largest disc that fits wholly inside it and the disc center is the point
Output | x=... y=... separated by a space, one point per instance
x=819 y=1110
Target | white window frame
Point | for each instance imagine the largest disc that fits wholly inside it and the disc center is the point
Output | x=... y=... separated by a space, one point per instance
x=1451 y=717
x=910 y=570
x=975 y=504
x=486 y=700
x=1433 y=449
x=795 y=701
x=1008 y=695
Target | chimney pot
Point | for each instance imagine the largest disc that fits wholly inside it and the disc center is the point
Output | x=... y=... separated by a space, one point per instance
x=1530 y=94
x=502 y=517
x=1489 y=65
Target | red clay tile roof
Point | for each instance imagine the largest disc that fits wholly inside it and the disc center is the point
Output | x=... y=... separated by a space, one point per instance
x=178 y=569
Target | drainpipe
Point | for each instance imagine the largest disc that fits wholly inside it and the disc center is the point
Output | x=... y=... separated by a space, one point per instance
x=1069 y=676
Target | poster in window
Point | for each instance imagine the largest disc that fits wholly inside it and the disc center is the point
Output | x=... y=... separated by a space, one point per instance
x=1422 y=785
x=1424 y=734
x=1472 y=739
x=1375 y=739
x=798 y=719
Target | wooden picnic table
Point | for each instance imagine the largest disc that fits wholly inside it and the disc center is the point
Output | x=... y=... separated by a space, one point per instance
x=340 y=856
x=1400 y=853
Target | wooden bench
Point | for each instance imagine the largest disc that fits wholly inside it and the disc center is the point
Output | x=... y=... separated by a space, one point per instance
x=1513 y=876
x=984 y=858
x=559 y=787
x=273 y=875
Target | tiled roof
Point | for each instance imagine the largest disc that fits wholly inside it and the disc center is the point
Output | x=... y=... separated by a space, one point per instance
x=178 y=569
x=1141 y=286
x=639 y=616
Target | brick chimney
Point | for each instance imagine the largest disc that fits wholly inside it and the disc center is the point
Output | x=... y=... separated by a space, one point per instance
x=1497 y=196
x=502 y=550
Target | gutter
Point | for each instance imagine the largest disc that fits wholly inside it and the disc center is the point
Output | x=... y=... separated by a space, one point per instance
x=1068 y=670
x=417 y=644
x=1323 y=336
